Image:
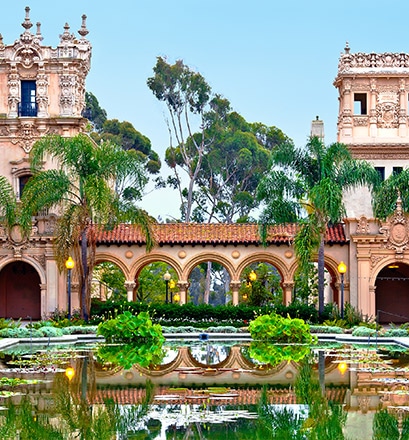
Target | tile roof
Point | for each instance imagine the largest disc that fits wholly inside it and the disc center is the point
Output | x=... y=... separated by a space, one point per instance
x=213 y=233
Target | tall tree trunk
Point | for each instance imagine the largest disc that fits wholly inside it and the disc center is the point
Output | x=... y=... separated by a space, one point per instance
x=85 y=275
x=207 y=283
x=321 y=277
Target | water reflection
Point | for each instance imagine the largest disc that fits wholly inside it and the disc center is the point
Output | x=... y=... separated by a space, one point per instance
x=206 y=383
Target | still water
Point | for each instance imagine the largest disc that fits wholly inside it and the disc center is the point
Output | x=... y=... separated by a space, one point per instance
x=206 y=389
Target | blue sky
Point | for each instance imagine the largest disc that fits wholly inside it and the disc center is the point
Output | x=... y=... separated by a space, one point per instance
x=275 y=61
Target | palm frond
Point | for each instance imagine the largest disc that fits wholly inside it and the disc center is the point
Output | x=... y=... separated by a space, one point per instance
x=8 y=203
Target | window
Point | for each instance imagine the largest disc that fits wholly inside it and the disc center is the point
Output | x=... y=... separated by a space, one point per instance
x=397 y=170
x=22 y=180
x=28 y=105
x=360 y=107
x=381 y=171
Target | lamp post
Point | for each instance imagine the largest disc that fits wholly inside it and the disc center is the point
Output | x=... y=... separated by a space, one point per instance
x=172 y=285
x=167 y=277
x=342 y=268
x=69 y=264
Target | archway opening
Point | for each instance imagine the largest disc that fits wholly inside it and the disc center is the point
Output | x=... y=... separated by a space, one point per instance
x=392 y=293
x=108 y=282
x=261 y=285
x=20 y=295
x=209 y=283
x=157 y=283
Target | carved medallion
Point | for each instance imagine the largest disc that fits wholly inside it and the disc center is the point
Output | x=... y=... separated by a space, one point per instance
x=396 y=230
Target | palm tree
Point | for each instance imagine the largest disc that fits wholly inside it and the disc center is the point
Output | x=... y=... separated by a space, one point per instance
x=8 y=203
x=385 y=197
x=306 y=186
x=95 y=186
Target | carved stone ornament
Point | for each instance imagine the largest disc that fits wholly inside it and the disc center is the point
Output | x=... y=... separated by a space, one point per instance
x=362 y=226
x=388 y=115
x=396 y=230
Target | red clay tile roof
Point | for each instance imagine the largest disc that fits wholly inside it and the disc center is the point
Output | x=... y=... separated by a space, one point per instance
x=205 y=233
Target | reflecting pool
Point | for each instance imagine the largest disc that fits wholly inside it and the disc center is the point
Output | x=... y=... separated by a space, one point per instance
x=203 y=389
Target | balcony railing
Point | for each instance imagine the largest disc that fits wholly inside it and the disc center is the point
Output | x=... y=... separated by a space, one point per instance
x=27 y=109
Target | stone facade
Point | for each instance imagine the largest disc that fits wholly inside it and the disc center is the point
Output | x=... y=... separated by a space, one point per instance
x=373 y=121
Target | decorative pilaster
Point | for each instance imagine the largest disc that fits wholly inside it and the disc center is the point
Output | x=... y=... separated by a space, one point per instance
x=130 y=286
x=235 y=286
x=183 y=286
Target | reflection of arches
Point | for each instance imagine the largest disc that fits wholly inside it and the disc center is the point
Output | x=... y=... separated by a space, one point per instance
x=392 y=293
x=20 y=291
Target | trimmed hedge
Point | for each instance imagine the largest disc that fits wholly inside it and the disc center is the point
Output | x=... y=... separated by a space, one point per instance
x=203 y=315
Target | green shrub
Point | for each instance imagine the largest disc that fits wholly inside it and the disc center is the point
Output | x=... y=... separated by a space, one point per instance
x=222 y=329
x=20 y=332
x=274 y=327
x=325 y=329
x=130 y=328
x=396 y=332
x=364 y=331
x=80 y=329
x=51 y=332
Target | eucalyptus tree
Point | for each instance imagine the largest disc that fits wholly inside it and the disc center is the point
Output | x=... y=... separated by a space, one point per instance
x=187 y=97
x=95 y=186
x=233 y=165
x=306 y=186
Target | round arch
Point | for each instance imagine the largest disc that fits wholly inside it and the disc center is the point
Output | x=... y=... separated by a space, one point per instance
x=390 y=284
x=20 y=291
x=206 y=256
x=266 y=257
x=152 y=258
x=107 y=257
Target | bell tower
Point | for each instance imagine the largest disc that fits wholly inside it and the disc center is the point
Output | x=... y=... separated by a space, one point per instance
x=42 y=91
x=373 y=108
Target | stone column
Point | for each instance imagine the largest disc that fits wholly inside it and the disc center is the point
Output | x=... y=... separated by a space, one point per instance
x=234 y=287
x=43 y=296
x=183 y=286
x=130 y=286
x=287 y=292
x=373 y=127
x=403 y=109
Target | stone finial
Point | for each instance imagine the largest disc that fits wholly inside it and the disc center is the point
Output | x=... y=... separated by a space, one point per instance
x=27 y=23
x=346 y=48
x=38 y=34
x=66 y=36
x=83 y=31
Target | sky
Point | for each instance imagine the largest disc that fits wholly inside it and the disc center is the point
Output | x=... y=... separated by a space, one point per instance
x=274 y=60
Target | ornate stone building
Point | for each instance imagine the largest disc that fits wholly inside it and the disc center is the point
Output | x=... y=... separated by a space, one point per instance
x=373 y=121
x=42 y=92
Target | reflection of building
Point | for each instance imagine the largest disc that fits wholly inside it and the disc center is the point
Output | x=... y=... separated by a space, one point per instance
x=43 y=93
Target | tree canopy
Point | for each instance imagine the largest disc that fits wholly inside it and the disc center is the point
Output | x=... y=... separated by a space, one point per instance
x=91 y=188
x=222 y=155
x=120 y=133
x=306 y=186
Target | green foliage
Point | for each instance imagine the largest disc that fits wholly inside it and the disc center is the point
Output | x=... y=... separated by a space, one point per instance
x=203 y=315
x=127 y=328
x=326 y=328
x=364 y=331
x=385 y=426
x=276 y=328
x=305 y=186
x=273 y=354
x=278 y=424
x=82 y=191
x=127 y=355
